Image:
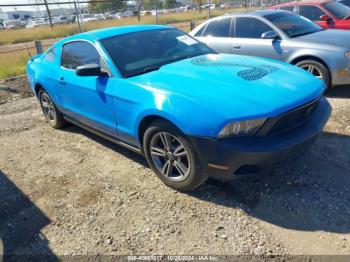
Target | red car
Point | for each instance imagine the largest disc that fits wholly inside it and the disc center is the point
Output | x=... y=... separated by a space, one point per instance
x=326 y=13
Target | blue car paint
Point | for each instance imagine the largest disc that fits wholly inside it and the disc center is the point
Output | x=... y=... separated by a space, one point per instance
x=199 y=95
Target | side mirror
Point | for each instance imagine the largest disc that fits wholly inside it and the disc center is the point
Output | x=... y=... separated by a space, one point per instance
x=90 y=70
x=269 y=35
x=326 y=18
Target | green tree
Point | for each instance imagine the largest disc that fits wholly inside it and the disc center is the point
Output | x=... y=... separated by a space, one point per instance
x=111 y=5
x=199 y=3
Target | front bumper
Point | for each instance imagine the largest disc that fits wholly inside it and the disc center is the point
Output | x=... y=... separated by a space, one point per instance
x=241 y=156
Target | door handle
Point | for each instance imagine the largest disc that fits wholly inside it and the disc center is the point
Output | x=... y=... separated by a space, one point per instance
x=236 y=47
x=61 y=81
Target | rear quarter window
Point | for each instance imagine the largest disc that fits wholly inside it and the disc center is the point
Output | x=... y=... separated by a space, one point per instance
x=50 y=55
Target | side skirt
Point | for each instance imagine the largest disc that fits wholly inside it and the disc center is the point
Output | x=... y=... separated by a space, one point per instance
x=103 y=135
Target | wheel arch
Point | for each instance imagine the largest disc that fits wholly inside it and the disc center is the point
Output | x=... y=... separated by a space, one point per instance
x=37 y=88
x=298 y=59
x=308 y=57
x=147 y=120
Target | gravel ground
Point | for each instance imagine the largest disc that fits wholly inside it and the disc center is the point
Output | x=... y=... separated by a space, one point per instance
x=68 y=192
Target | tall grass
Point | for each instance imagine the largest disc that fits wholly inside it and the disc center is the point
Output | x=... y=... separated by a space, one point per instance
x=13 y=63
x=45 y=32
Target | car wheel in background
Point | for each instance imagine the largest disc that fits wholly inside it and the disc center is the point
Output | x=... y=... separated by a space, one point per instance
x=52 y=115
x=317 y=69
x=172 y=157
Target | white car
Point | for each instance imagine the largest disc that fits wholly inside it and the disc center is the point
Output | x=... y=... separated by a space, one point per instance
x=126 y=14
x=99 y=17
x=211 y=6
x=36 y=23
x=59 y=20
x=12 y=24
x=87 y=18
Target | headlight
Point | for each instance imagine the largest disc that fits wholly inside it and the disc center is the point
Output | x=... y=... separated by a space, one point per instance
x=242 y=128
x=347 y=54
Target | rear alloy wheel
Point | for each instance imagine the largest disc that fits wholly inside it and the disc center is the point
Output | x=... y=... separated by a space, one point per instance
x=317 y=69
x=52 y=115
x=172 y=157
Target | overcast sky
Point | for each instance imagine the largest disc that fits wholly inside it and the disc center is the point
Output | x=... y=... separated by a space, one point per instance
x=34 y=7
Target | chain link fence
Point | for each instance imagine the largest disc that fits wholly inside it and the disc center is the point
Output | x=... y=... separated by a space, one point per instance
x=23 y=21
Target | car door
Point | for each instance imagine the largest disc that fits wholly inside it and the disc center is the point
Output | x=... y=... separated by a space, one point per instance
x=217 y=34
x=87 y=99
x=248 y=40
x=314 y=13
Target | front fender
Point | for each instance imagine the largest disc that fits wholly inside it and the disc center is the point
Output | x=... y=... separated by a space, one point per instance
x=191 y=117
x=331 y=59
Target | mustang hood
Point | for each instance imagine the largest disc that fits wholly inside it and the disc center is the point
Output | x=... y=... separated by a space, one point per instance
x=329 y=36
x=236 y=87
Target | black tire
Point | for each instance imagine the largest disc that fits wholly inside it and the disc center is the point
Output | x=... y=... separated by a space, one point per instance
x=51 y=114
x=319 y=70
x=185 y=181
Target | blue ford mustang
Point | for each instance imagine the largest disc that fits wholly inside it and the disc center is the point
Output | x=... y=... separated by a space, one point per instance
x=191 y=112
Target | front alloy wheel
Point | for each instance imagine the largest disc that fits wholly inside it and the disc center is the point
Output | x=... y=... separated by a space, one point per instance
x=313 y=70
x=172 y=157
x=317 y=69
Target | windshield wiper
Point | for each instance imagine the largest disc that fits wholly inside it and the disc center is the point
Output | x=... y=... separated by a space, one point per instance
x=144 y=71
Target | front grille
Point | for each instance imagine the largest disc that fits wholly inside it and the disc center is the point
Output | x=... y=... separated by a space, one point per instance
x=293 y=118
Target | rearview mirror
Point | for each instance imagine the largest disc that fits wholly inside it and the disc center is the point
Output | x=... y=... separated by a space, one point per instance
x=326 y=18
x=90 y=70
x=269 y=35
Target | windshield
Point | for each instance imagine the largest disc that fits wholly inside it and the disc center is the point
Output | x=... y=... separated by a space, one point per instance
x=345 y=2
x=337 y=9
x=293 y=25
x=141 y=52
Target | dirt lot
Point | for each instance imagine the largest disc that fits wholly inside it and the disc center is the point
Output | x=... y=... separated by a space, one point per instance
x=67 y=192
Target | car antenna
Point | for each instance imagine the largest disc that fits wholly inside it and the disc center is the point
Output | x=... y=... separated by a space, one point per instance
x=30 y=55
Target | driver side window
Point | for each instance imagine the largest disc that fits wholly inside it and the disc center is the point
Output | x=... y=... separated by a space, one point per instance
x=311 y=12
x=79 y=53
x=247 y=27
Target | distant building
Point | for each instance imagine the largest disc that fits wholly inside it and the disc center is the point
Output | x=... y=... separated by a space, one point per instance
x=16 y=14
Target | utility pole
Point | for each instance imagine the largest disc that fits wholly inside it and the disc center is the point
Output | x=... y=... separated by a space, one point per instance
x=139 y=6
x=48 y=13
x=156 y=12
x=209 y=9
x=77 y=13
